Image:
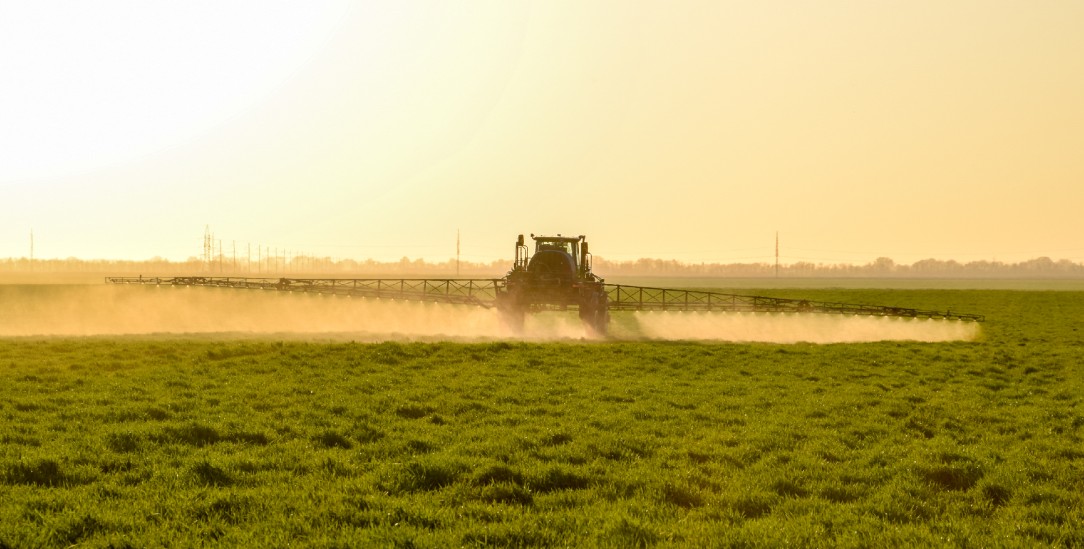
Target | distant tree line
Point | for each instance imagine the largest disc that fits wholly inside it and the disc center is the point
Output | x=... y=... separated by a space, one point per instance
x=274 y=267
x=1042 y=267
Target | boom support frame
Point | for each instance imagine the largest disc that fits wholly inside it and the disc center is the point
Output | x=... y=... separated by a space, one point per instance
x=479 y=292
x=642 y=298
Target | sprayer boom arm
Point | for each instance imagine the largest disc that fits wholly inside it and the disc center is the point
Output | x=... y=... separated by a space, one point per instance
x=486 y=292
x=480 y=292
x=640 y=298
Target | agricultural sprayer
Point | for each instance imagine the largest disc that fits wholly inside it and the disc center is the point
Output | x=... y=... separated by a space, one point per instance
x=557 y=276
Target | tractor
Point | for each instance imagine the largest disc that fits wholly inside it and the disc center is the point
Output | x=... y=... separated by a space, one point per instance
x=556 y=277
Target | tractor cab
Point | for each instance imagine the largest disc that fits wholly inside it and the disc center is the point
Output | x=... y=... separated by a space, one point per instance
x=555 y=257
x=559 y=243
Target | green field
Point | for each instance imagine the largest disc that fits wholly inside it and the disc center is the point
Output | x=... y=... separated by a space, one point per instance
x=196 y=440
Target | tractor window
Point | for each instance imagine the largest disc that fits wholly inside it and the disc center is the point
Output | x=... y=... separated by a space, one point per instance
x=555 y=245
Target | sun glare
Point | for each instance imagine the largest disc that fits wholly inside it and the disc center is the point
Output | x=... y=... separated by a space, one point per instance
x=88 y=85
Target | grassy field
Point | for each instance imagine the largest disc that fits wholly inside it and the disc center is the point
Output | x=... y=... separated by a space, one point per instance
x=183 y=441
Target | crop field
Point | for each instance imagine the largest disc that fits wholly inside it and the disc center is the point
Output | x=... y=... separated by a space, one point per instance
x=189 y=440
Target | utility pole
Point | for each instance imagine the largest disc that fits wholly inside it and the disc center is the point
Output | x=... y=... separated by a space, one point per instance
x=31 y=250
x=457 y=253
x=777 y=254
x=207 y=247
x=234 y=256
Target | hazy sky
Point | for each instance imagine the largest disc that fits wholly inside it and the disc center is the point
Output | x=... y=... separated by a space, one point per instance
x=684 y=130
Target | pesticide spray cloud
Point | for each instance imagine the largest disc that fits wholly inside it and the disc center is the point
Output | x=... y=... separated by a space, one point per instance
x=88 y=310
x=119 y=310
x=795 y=328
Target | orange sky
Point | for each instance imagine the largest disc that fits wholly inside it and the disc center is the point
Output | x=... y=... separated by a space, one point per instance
x=685 y=130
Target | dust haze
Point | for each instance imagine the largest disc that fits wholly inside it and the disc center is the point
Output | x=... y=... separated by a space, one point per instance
x=91 y=310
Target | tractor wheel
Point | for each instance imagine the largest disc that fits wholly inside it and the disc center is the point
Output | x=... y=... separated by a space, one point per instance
x=512 y=312
x=602 y=315
x=595 y=314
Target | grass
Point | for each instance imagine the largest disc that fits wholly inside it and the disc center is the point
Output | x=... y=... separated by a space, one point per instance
x=166 y=441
